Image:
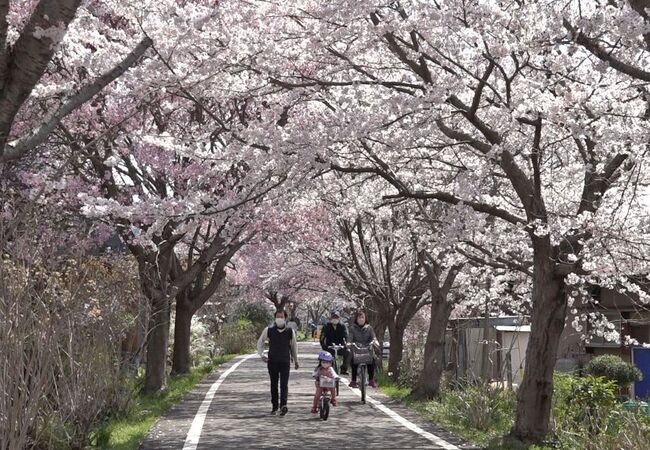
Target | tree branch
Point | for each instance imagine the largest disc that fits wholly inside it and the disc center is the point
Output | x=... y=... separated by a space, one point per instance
x=444 y=197
x=218 y=274
x=596 y=184
x=479 y=89
x=397 y=85
x=606 y=56
x=31 y=54
x=27 y=143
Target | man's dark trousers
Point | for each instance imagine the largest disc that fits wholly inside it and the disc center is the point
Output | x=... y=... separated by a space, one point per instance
x=279 y=372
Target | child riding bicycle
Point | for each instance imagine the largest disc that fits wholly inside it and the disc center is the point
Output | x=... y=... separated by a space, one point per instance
x=323 y=369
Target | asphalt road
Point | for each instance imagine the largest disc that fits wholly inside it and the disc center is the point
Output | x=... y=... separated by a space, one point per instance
x=230 y=410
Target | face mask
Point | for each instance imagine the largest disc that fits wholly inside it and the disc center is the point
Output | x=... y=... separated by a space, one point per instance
x=325 y=364
x=335 y=321
x=279 y=323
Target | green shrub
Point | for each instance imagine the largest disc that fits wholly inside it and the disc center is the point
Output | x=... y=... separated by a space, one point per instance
x=411 y=365
x=301 y=336
x=478 y=412
x=480 y=406
x=583 y=402
x=622 y=430
x=586 y=413
x=612 y=367
x=237 y=337
x=255 y=313
x=201 y=344
x=606 y=426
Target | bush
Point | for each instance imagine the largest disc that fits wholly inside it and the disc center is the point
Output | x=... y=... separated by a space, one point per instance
x=583 y=402
x=60 y=335
x=237 y=337
x=613 y=368
x=255 y=313
x=202 y=342
x=624 y=430
x=478 y=412
x=480 y=406
x=411 y=365
x=587 y=415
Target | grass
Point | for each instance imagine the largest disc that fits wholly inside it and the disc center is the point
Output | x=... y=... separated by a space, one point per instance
x=484 y=415
x=392 y=389
x=463 y=413
x=128 y=432
x=301 y=336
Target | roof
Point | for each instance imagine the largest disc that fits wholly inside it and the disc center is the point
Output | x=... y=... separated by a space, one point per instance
x=480 y=322
x=513 y=329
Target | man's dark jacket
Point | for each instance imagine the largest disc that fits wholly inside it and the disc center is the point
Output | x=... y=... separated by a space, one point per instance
x=331 y=335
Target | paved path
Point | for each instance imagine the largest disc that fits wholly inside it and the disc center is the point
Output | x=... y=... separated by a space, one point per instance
x=236 y=416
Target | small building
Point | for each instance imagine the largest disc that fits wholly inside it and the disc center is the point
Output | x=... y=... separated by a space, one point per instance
x=629 y=317
x=493 y=349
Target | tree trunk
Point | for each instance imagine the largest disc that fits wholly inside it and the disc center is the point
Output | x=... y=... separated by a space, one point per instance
x=380 y=331
x=157 y=341
x=396 y=349
x=428 y=385
x=548 y=317
x=182 y=359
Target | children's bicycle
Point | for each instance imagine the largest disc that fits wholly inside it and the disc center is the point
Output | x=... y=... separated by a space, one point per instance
x=335 y=363
x=325 y=396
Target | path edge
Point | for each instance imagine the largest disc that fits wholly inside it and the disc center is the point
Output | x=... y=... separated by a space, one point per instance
x=151 y=441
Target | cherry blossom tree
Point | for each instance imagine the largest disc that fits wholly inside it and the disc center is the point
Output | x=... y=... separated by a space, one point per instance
x=492 y=109
x=529 y=119
x=615 y=33
x=171 y=160
x=274 y=266
x=37 y=41
x=160 y=207
x=385 y=273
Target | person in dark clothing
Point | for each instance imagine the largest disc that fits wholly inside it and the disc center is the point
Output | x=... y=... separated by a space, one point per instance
x=312 y=328
x=335 y=333
x=282 y=349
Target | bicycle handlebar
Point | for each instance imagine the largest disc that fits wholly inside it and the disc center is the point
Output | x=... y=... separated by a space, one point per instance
x=352 y=344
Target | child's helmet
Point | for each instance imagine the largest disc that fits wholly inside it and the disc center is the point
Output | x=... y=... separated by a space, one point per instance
x=325 y=356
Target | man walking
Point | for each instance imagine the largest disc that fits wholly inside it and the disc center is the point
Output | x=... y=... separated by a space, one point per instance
x=335 y=333
x=282 y=349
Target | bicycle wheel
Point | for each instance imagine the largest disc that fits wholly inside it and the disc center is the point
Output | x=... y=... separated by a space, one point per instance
x=362 y=382
x=324 y=408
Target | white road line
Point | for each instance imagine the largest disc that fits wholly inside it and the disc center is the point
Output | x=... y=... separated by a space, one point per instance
x=193 y=436
x=403 y=421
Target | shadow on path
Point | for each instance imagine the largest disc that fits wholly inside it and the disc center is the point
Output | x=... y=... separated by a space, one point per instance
x=238 y=417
